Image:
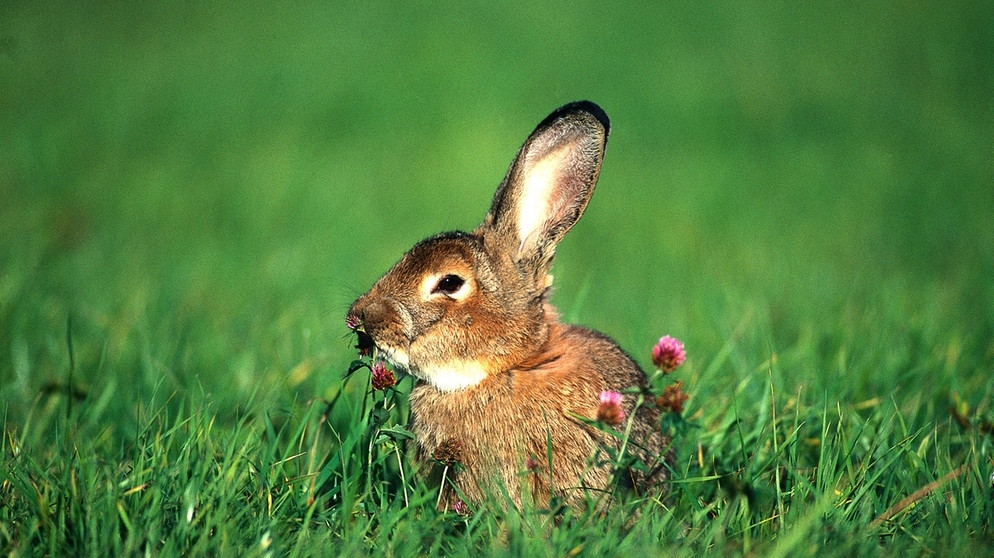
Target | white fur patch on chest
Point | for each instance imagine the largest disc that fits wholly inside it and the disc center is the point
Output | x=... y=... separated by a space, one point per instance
x=454 y=375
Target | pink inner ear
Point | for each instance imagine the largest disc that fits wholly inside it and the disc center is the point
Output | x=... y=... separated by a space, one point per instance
x=548 y=185
x=539 y=200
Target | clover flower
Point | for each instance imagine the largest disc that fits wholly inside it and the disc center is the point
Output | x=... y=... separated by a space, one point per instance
x=352 y=322
x=449 y=452
x=668 y=354
x=383 y=377
x=672 y=398
x=609 y=411
x=461 y=509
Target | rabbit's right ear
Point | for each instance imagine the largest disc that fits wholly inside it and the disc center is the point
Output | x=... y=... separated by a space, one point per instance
x=548 y=185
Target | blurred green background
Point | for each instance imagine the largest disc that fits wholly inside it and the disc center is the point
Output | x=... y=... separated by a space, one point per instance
x=203 y=187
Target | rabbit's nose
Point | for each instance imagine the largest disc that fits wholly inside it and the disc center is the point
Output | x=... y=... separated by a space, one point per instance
x=367 y=313
x=374 y=314
x=380 y=317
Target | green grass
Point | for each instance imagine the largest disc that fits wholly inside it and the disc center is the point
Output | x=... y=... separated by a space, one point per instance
x=193 y=195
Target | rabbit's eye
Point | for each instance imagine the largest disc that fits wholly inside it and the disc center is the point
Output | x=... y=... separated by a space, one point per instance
x=448 y=285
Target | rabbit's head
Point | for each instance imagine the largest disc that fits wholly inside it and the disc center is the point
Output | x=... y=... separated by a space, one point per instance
x=459 y=307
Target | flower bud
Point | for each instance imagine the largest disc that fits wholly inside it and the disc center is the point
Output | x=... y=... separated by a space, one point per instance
x=383 y=377
x=668 y=354
x=610 y=411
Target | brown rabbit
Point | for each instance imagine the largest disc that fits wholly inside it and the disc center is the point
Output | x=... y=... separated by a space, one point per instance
x=501 y=382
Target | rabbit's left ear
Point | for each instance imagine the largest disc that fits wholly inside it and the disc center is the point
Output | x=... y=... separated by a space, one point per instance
x=548 y=185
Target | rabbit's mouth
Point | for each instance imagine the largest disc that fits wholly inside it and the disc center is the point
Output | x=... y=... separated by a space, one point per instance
x=367 y=345
x=452 y=375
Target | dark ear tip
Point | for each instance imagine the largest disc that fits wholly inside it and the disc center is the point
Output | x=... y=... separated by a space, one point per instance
x=588 y=107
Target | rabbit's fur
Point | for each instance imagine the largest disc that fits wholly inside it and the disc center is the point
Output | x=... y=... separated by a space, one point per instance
x=500 y=379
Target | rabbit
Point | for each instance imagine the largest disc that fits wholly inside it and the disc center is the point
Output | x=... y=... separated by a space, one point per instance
x=500 y=381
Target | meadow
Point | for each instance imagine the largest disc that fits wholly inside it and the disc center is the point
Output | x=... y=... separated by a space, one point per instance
x=193 y=194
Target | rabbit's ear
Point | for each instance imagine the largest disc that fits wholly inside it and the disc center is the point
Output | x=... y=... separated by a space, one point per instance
x=548 y=185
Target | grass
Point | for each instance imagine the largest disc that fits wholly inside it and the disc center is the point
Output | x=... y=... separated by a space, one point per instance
x=193 y=197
